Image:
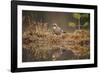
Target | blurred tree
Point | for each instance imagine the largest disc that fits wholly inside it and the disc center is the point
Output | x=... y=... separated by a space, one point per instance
x=85 y=20
x=86 y=25
x=71 y=24
x=86 y=15
x=78 y=17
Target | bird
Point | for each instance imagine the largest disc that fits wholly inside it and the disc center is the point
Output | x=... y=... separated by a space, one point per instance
x=57 y=30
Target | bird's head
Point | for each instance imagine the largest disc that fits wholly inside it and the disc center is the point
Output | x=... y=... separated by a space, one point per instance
x=54 y=24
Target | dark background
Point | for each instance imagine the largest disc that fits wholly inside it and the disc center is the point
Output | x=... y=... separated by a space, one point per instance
x=60 y=18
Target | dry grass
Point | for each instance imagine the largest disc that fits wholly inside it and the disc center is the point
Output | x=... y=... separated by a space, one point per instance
x=42 y=45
